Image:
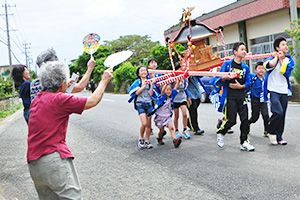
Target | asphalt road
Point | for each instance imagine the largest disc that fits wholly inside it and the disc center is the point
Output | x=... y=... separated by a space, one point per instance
x=110 y=165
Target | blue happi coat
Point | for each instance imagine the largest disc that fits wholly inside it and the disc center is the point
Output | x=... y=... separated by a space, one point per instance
x=162 y=100
x=219 y=100
x=286 y=70
x=137 y=85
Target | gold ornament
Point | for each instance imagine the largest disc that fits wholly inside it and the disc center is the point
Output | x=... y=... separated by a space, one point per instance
x=172 y=45
x=187 y=19
x=189 y=43
x=193 y=47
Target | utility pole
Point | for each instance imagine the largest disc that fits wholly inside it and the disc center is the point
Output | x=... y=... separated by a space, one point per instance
x=294 y=15
x=8 y=45
x=26 y=47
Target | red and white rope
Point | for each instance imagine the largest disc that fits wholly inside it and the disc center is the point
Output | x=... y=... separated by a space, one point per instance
x=170 y=80
x=159 y=78
x=223 y=42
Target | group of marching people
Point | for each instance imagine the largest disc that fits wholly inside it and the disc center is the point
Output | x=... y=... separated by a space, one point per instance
x=230 y=96
x=149 y=99
x=47 y=108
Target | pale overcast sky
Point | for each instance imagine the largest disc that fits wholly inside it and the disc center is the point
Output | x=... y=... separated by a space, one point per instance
x=62 y=24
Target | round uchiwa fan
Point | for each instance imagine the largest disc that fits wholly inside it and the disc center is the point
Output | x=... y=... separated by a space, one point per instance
x=91 y=43
x=117 y=58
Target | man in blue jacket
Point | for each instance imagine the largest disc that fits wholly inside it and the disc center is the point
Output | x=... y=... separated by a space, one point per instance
x=233 y=96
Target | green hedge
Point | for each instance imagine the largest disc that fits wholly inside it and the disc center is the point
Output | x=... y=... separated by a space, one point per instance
x=125 y=72
x=5 y=88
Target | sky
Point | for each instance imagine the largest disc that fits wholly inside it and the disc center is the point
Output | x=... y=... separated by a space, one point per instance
x=62 y=24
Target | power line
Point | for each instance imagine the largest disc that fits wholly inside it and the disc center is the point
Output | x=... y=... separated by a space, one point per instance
x=11 y=51
x=3 y=42
x=15 y=57
x=19 y=19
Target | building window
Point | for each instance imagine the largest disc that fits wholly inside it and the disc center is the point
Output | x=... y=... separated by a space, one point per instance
x=221 y=50
x=263 y=45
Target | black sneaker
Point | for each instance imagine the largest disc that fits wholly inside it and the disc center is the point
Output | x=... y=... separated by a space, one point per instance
x=199 y=132
x=177 y=142
x=160 y=141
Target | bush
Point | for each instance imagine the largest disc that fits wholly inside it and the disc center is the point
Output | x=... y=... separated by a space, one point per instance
x=5 y=88
x=296 y=72
x=294 y=32
x=11 y=109
x=125 y=72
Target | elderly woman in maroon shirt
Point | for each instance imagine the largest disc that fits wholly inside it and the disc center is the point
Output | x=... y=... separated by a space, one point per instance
x=49 y=158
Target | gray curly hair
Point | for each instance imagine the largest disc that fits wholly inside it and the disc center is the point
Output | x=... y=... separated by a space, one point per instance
x=52 y=75
x=45 y=56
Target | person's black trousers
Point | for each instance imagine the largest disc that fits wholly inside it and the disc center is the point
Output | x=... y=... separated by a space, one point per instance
x=258 y=107
x=232 y=108
x=193 y=115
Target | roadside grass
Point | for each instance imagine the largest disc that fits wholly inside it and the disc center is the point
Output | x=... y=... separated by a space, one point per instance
x=11 y=110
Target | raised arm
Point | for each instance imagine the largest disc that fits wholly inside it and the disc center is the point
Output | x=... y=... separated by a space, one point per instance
x=85 y=79
x=273 y=62
x=97 y=95
x=177 y=85
x=140 y=89
x=151 y=89
x=163 y=90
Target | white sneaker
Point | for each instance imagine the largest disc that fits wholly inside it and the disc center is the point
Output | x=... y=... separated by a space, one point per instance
x=273 y=139
x=246 y=146
x=186 y=135
x=178 y=134
x=220 y=139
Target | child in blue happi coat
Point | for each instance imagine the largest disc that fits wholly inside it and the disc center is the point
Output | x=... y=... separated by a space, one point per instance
x=258 y=104
x=163 y=111
x=180 y=101
x=142 y=94
x=232 y=100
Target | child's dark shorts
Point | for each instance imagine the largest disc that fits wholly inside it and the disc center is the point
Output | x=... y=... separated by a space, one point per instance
x=144 y=107
x=177 y=105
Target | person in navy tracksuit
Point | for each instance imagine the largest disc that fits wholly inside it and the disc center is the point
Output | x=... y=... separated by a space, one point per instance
x=279 y=68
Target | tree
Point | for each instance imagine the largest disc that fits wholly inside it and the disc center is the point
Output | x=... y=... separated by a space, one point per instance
x=161 y=55
x=126 y=72
x=140 y=46
x=295 y=49
x=80 y=66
